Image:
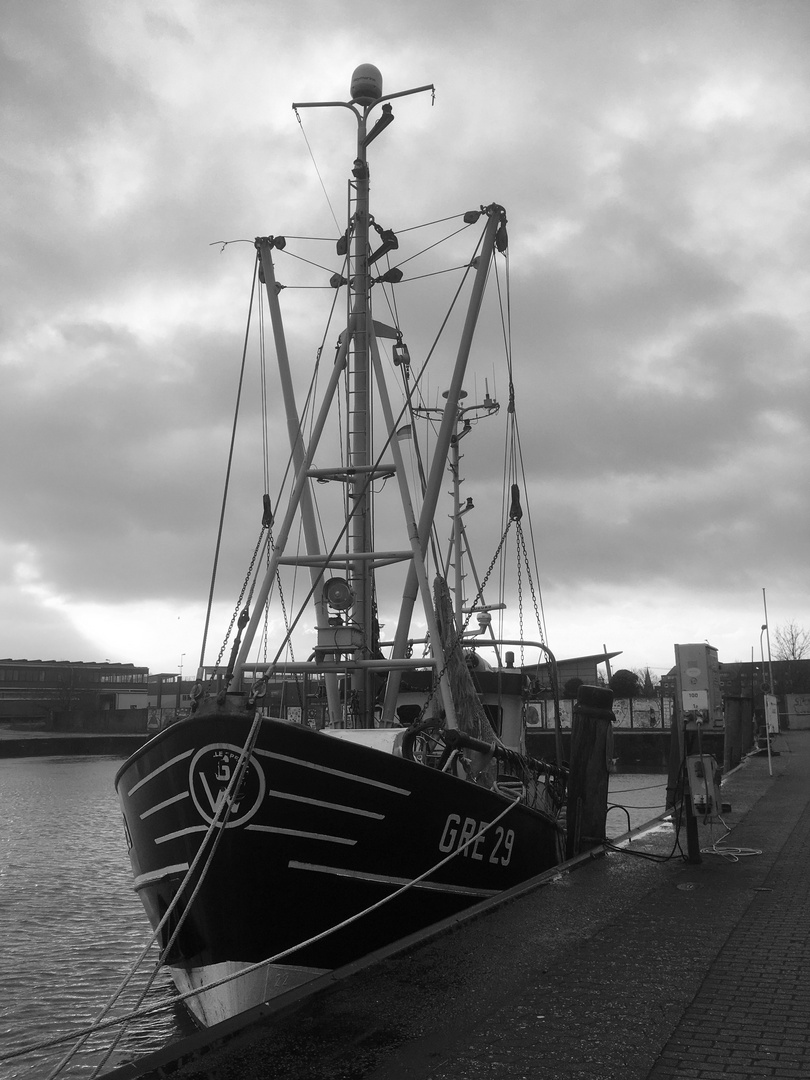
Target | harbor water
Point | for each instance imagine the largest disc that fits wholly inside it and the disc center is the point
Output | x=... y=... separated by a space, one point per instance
x=72 y=927
x=70 y=922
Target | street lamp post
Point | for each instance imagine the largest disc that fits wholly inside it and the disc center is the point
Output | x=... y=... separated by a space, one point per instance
x=762 y=630
x=768 y=691
x=768 y=639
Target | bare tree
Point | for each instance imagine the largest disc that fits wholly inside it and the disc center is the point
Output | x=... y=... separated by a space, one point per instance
x=792 y=642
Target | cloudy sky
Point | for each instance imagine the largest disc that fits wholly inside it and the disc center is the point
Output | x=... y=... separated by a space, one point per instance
x=654 y=160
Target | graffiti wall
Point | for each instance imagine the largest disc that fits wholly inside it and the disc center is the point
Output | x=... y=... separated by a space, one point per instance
x=798 y=711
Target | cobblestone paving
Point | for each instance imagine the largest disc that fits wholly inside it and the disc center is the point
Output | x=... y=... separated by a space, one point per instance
x=751 y=1016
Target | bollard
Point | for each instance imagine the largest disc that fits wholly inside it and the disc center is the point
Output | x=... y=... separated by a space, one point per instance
x=589 y=769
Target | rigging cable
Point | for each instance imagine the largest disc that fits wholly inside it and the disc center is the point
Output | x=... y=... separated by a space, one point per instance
x=317 y=170
x=229 y=466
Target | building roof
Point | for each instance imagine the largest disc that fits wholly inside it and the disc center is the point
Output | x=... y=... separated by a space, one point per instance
x=74 y=663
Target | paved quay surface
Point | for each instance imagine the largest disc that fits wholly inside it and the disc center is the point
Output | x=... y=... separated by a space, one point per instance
x=624 y=969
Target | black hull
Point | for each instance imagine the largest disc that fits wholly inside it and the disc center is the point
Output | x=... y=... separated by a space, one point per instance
x=324 y=829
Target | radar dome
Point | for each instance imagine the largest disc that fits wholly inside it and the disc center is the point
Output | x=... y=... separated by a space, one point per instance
x=366 y=84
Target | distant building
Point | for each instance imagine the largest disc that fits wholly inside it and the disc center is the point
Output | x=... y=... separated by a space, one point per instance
x=38 y=689
x=751 y=680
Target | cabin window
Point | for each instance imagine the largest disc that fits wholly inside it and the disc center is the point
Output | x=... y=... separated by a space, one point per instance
x=495 y=717
x=408 y=714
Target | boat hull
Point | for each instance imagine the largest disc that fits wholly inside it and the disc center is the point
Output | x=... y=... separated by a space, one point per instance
x=322 y=830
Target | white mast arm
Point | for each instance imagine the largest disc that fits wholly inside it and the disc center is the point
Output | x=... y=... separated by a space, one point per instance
x=264 y=246
x=446 y=431
x=418 y=562
x=301 y=479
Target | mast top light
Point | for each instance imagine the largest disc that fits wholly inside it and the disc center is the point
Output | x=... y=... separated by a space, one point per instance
x=366 y=84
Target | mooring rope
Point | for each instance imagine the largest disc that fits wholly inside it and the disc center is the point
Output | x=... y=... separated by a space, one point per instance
x=85 y=1032
x=221 y=816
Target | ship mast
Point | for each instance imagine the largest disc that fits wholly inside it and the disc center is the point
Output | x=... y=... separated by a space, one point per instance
x=356 y=346
x=366 y=91
x=353 y=647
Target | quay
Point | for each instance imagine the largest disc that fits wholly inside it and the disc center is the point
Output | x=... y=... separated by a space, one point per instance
x=15 y=743
x=636 y=750
x=617 y=966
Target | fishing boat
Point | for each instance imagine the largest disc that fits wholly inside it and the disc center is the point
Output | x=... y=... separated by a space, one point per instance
x=308 y=812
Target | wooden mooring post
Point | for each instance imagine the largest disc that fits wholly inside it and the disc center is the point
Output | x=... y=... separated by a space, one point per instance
x=589 y=769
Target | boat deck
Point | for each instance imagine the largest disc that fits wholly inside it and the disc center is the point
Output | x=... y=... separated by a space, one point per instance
x=626 y=968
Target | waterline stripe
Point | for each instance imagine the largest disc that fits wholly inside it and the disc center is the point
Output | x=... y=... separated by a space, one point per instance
x=156 y=875
x=337 y=871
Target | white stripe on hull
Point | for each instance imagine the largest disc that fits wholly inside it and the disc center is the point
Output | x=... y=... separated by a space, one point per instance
x=331 y=772
x=385 y=879
x=158 y=875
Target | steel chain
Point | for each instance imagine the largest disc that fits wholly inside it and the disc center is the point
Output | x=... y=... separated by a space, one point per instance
x=238 y=607
x=531 y=585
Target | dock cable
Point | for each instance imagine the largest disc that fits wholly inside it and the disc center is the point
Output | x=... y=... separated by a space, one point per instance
x=100 y=1025
x=625 y=790
x=730 y=854
x=651 y=856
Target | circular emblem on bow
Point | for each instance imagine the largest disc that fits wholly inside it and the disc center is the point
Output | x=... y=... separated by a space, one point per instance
x=211 y=780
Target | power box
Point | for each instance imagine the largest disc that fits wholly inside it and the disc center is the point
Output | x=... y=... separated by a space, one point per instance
x=704 y=786
x=697 y=678
x=772 y=714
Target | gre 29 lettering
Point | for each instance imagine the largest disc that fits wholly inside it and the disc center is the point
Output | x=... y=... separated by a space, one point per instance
x=494 y=845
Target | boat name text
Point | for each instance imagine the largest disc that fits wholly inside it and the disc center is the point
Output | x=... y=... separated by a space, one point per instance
x=456 y=833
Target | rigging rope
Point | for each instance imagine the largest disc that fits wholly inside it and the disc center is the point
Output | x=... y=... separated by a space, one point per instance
x=317 y=170
x=229 y=466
